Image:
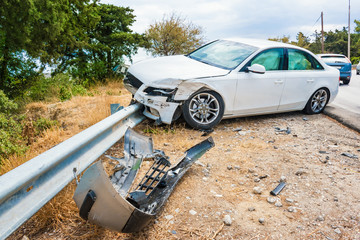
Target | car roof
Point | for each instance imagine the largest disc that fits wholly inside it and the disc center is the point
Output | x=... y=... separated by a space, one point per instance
x=260 y=43
x=331 y=55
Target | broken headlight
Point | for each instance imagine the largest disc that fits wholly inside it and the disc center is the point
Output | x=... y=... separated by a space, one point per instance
x=160 y=92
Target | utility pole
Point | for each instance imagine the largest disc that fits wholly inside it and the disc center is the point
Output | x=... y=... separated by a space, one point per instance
x=349 y=33
x=322 y=32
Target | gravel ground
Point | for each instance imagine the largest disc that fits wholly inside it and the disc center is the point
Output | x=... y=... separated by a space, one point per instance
x=226 y=195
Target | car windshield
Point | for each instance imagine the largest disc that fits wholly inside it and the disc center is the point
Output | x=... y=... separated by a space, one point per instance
x=223 y=54
x=335 y=59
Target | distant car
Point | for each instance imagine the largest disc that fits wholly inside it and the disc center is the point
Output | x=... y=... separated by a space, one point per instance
x=340 y=62
x=227 y=79
x=358 y=68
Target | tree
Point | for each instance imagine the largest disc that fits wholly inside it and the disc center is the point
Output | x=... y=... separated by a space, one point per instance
x=15 y=16
x=173 y=35
x=302 y=40
x=315 y=45
x=284 y=39
x=108 y=42
x=38 y=29
x=357 y=28
x=336 y=42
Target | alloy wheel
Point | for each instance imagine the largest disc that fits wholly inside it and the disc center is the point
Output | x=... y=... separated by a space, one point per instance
x=319 y=100
x=204 y=108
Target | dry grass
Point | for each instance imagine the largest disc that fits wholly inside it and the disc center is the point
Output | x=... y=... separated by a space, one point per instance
x=259 y=149
x=75 y=115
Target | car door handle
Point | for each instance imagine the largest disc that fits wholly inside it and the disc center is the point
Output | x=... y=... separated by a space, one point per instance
x=310 y=80
x=279 y=82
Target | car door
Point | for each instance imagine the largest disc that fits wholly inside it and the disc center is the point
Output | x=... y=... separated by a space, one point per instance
x=260 y=93
x=301 y=76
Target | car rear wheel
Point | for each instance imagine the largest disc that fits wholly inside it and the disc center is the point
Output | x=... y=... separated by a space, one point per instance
x=203 y=110
x=346 y=82
x=317 y=101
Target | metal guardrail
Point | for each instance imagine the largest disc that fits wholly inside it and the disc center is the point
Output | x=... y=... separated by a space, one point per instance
x=24 y=190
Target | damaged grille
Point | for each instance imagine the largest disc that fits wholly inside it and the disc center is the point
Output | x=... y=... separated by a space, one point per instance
x=109 y=202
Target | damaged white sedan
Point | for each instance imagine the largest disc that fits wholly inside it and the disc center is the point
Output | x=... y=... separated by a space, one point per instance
x=227 y=79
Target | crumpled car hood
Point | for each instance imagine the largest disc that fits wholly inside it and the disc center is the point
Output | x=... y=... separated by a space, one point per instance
x=173 y=68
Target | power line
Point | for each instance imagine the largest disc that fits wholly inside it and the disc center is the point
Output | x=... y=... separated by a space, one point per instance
x=307 y=34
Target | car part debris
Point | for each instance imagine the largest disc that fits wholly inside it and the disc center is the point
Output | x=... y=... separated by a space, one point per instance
x=279 y=130
x=278 y=189
x=349 y=155
x=107 y=201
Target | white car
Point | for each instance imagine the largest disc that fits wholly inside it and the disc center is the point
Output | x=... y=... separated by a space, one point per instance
x=232 y=78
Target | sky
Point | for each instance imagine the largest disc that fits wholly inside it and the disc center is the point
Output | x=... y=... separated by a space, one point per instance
x=247 y=19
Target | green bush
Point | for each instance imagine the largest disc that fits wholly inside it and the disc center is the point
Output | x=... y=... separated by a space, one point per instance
x=11 y=128
x=64 y=93
x=60 y=87
x=11 y=140
x=355 y=60
x=6 y=105
x=78 y=90
x=43 y=124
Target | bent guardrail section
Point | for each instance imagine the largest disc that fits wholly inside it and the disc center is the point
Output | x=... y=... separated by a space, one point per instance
x=24 y=190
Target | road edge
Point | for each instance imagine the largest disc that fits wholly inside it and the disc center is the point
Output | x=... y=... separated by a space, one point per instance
x=345 y=117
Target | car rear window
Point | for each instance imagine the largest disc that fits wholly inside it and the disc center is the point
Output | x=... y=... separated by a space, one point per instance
x=335 y=59
x=223 y=54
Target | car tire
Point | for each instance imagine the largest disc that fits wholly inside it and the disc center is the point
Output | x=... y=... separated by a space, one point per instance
x=203 y=110
x=357 y=73
x=317 y=101
x=346 y=82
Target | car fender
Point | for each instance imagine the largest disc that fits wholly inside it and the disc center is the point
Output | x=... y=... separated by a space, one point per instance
x=188 y=88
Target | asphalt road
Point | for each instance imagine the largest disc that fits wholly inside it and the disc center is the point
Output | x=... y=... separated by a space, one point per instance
x=346 y=106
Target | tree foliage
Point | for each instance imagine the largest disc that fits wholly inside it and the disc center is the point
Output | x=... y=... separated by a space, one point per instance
x=173 y=35
x=82 y=37
x=284 y=39
x=41 y=30
x=108 y=42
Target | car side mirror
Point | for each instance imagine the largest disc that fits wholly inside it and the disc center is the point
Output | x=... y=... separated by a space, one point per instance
x=257 y=68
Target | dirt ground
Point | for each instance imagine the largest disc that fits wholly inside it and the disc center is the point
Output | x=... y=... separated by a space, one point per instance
x=321 y=199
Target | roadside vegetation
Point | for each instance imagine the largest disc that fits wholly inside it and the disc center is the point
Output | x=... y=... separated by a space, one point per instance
x=81 y=42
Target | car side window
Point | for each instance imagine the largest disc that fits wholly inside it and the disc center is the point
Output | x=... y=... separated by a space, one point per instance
x=271 y=59
x=300 y=60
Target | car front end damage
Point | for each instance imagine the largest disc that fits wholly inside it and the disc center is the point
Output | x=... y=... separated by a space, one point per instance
x=159 y=103
x=163 y=98
x=115 y=202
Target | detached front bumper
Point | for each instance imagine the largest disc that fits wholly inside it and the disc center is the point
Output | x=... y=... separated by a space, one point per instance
x=120 y=204
x=156 y=107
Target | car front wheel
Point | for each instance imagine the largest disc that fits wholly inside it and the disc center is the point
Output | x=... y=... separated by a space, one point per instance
x=203 y=110
x=317 y=101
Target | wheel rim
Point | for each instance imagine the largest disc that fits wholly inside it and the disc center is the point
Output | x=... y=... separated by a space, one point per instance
x=319 y=100
x=204 y=108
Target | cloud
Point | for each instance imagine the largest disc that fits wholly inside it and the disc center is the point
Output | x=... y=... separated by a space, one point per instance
x=244 y=18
